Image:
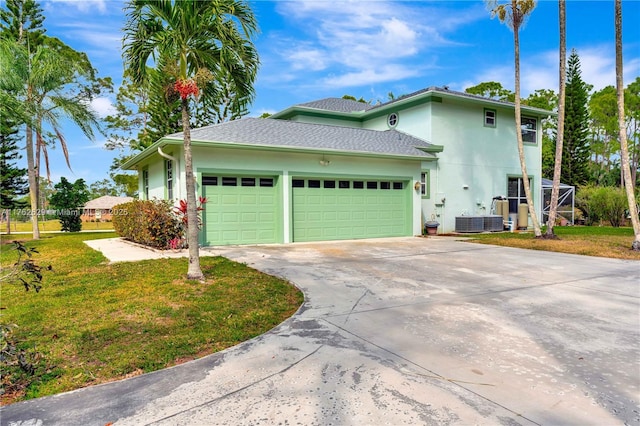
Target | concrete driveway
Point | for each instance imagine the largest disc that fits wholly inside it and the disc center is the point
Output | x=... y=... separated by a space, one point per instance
x=404 y=331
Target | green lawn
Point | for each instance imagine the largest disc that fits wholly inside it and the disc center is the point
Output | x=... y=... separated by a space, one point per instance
x=601 y=241
x=52 y=225
x=93 y=322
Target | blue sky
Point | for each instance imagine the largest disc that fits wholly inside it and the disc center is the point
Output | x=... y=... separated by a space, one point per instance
x=315 y=49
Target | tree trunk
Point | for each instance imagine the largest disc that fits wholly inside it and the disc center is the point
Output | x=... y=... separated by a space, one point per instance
x=624 y=147
x=8 y=213
x=194 y=272
x=33 y=183
x=557 y=166
x=523 y=165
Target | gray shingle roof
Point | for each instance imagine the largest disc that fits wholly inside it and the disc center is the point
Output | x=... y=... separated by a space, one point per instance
x=337 y=105
x=305 y=136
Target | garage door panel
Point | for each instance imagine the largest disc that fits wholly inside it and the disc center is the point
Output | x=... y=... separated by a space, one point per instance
x=246 y=213
x=331 y=211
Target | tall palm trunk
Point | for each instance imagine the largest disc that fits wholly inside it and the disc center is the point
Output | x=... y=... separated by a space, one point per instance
x=557 y=166
x=33 y=183
x=193 y=272
x=624 y=146
x=523 y=164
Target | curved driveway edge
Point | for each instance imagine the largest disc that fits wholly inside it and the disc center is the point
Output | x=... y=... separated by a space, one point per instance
x=403 y=331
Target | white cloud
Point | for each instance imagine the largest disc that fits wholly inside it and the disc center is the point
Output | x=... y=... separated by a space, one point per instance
x=307 y=58
x=370 y=76
x=84 y=6
x=103 y=107
x=354 y=43
x=597 y=65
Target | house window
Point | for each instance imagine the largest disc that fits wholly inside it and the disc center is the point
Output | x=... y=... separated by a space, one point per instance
x=515 y=193
x=424 y=184
x=529 y=130
x=145 y=184
x=392 y=119
x=489 y=117
x=169 y=168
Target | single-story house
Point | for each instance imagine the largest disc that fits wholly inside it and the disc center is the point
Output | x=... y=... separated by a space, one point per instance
x=340 y=169
x=101 y=208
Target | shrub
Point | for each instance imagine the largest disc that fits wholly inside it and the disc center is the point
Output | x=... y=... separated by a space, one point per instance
x=602 y=203
x=148 y=222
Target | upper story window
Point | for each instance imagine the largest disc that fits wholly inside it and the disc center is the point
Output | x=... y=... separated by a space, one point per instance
x=529 y=130
x=392 y=119
x=169 y=169
x=145 y=184
x=489 y=117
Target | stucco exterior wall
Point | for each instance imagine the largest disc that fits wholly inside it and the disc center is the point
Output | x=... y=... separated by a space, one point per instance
x=476 y=161
x=285 y=166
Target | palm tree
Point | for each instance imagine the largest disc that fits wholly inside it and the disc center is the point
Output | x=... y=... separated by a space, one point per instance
x=514 y=14
x=624 y=146
x=197 y=41
x=557 y=167
x=41 y=82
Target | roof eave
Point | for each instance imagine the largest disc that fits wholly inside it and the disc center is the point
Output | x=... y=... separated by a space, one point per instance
x=282 y=148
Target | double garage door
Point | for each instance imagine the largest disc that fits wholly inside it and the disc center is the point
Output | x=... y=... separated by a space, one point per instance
x=339 y=209
x=249 y=209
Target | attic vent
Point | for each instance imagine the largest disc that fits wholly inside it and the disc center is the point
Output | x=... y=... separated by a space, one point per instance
x=392 y=119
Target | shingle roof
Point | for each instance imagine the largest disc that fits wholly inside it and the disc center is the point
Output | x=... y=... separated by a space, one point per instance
x=106 y=202
x=305 y=136
x=337 y=105
x=345 y=105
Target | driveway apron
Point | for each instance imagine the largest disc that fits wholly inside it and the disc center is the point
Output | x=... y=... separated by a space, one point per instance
x=403 y=331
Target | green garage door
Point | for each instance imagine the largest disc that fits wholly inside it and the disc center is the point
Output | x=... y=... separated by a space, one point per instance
x=340 y=209
x=241 y=210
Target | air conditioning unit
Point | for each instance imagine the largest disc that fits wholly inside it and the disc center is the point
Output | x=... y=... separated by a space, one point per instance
x=469 y=223
x=493 y=223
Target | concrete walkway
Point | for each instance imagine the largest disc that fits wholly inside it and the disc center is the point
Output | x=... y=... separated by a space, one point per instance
x=402 y=331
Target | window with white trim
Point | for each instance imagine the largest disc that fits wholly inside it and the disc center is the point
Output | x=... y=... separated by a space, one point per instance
x=529 y=129
x=392 y=119
x=145 y=184
x=169 y=174
x=489 y=117
x=424 y=184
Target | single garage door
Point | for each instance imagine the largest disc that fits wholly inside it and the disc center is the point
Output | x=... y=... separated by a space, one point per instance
x=241 y=210
x=340 y=209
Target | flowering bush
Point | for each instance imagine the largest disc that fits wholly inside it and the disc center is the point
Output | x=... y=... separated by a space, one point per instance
x=149 y=222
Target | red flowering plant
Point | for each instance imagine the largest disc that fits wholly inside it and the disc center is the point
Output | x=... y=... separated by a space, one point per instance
x=181 y=210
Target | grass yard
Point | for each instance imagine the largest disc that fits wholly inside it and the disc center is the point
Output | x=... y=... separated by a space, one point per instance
x=52 y=225
x=601 y=241
x=93 y=322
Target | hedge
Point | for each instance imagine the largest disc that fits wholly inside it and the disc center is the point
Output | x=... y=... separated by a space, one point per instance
x=149 y=222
